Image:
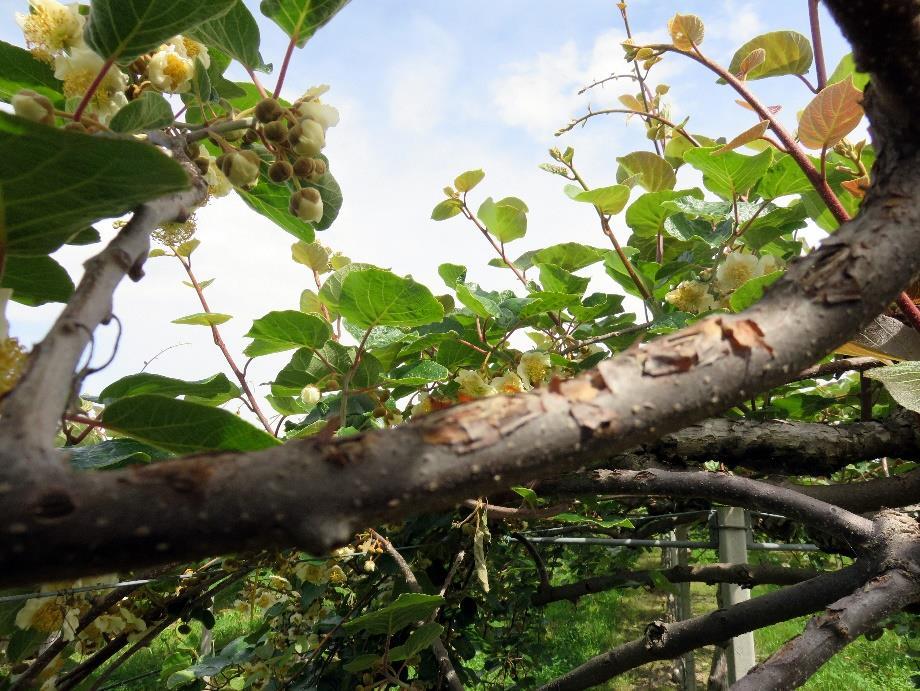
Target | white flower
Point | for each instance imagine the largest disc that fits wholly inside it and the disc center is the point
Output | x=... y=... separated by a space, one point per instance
x=32 y=106
x=218 y=184
x=768 y=264
x=324 y=114
x=508 y=383
x=691 y=296
x=314 y=92
x=78 y=70
x=534 y=368
x=473 y=385
x=308 y=138
x=191 y=49
x=45 y=614
x=737 y=269
x=51 y=27
x=171 y=70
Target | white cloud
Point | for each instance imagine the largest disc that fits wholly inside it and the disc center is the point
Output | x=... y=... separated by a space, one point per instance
x=739 y=22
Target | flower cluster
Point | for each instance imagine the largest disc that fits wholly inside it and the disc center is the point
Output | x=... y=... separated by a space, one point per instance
x=171 y=68
x=735 y=270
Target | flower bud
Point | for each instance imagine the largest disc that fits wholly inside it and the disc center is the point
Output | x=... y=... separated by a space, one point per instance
x=268 y=110
x=202 y=163
x=276 y=131
x=241 y=167
x=192 y=150
x=303 y=167
x=280 y=171
x=310 y=395
x=307 y=138
x=319 y=168
x=250 y=136
x=307 y=205
x=33 y=106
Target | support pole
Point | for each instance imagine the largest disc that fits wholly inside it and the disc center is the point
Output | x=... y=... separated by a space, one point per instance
x=733 y=533
x=685 y=611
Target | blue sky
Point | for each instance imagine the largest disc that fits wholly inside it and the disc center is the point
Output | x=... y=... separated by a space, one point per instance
x=427 y=90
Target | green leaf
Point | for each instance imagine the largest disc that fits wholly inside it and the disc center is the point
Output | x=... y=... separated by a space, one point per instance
x=452 y=274
x=787 y=52
x=407 y=609
x=902 y=381
x=609 y=200
x=287 y=329
x=372 y=297
x=236 y=33
x=541 y=303
x=654 y=173
x=468 y=180
x=87 y=236
x=729 y=174
x=783 y=177
x=570 y=256
x=477 y=301
x=847 y=68
x=691 y=207
x=446 y=209
x=214 y=390
x=20 y=70
x=149 y=112
x=751 y=291
x=123 y=30
x=646 y=215
x=300 y=19
x=203 y=319
x=421 y=638
x=360 y=663
x=331 y=291
x=201 y=90
x=182 y=426
x=273 y=202
x=36 y=280
x=555 y=279
x=506 y=219
x=54 y=183
x=419 y=373
x=331 y=193
x=680 y=227
x=112 y=454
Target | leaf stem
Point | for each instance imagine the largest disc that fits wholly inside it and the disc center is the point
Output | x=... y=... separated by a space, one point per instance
x=817 y=44
x=627 y=111
x=255 y=80
x=284 y=66
x=94 y=85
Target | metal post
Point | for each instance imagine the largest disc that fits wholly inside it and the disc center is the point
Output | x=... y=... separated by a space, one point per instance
x=733 y=532
x=684 y=609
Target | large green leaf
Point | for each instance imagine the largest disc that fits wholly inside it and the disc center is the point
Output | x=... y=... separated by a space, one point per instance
x=287 y=329
x=20 y=70
x=326 y=367
x=847 y=68
x=54 y=183
x=419 y=373
x=203 y=319
x=506 y=219
x=570 y=256
x=646 y=215
x=149 y=112
x=555 y=279
x=214 y=390
x=782 y=178
x=729 y=174
x=407 y=609
x=182 y=426
x=902 y=380
x=331 y=291
x=300 y=19
x=608 y=200
x=648 y=170
x=124 y=30
x=421 y=638
x=372 y=297
x=112 y=454
x=36 y=280
x=787 y=52
x=236 y=33
x=751 y=291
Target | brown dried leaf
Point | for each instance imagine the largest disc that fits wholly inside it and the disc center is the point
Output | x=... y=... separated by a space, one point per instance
x=831 y=115
x=856 y=187
x=746 y=137
x=773 y=110
x=746 y=334
x=686 y=31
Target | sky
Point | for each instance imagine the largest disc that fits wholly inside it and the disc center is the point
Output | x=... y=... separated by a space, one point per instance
x=427 y=90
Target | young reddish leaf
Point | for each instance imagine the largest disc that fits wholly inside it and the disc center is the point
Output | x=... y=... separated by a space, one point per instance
x=632 y=102
x=746 y=137
x=686 y=31
x=755 y=58
x=773 y=110
x=856 y=187
x=831 y=115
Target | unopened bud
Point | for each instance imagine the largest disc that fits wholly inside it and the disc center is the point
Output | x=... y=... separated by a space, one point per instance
x=33 y=106
x=250 y=136
x=192 y=150
x=268 y=110
x=319 y=167
x=280 y=171
x=307 y=205
x=202 y=163
x=276 y=131
x=310 y=395
x=241 y=167
x=303 y=167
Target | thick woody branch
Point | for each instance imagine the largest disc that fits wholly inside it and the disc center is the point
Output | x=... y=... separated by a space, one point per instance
x=724 y=488
x=746 y=575
x=868 y=496
x=664 y=641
